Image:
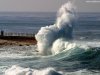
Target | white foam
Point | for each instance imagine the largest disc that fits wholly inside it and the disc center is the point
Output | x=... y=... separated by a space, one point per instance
x=17 y=70
x=83 y=72
x=61 y=29
x=17 y=51
x=61 y=44
x=65 y=16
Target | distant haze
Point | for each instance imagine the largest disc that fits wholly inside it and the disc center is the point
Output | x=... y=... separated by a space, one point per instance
x=46 y=5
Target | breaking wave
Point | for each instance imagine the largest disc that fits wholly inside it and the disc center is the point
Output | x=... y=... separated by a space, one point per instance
x=62 y=29
x=61 y=53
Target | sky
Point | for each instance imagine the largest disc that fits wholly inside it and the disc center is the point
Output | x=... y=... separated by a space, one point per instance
x=47 y=5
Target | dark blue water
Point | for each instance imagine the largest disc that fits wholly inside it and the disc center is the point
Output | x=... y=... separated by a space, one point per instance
x=87 y=24
x=25 y=22
x=18 y=21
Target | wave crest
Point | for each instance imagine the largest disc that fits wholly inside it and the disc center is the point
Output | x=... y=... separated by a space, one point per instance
x=63 y=28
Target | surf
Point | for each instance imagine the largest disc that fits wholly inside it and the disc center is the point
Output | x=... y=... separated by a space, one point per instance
x=62 y=29
x=57 y=50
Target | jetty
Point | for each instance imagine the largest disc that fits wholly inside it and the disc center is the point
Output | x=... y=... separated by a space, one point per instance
x=12 y=38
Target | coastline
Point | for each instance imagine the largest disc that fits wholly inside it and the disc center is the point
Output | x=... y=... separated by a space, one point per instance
x=17 y=40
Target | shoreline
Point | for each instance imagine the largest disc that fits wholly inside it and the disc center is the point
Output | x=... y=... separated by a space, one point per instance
x=17 y=40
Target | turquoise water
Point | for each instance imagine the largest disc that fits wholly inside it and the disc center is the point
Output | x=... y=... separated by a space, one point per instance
x=71 y=62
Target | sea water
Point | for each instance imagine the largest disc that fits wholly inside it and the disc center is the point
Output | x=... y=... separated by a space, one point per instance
x=79 y=58
x=25 y=21
x=31 y=22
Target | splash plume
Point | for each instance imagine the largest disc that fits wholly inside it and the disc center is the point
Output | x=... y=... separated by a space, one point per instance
x=62 y=28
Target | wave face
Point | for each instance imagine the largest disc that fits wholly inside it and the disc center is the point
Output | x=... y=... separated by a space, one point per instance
x=61 y=29
x=76 y=61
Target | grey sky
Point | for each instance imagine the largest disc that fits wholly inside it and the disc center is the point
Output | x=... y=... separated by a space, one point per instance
x=45 y=5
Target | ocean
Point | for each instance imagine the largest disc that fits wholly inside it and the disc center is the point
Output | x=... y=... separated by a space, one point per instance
x=80 y=56
x=31 y=22
x=25 y=21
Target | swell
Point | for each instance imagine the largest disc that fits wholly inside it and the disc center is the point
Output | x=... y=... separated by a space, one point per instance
x=79 y=58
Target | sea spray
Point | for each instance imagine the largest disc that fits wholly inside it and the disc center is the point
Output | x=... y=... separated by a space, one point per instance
x=62 y=29
x=61 y=45
x=69 y=59
x=17 y=70
x=51 y=40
